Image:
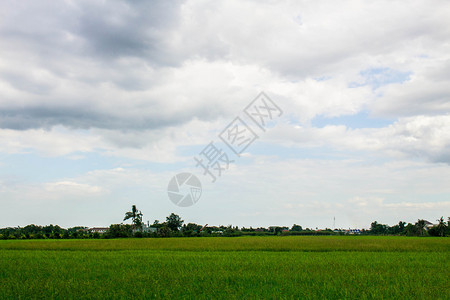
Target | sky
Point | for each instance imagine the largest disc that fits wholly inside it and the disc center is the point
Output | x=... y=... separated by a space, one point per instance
x=102 y=103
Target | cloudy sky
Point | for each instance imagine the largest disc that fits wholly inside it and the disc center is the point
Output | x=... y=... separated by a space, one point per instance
x=103 y=102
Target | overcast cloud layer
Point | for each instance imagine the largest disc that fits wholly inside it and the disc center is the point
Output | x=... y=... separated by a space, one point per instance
x=101 y=103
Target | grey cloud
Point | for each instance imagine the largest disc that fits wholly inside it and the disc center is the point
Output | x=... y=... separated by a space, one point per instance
x=26 y=82
x=118 y=29
x=131 y=117
x=106 y=30
x=82 y=46
x=76 y=117
x=79 y=45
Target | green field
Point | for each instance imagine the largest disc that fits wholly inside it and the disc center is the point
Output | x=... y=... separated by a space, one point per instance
x=245 y=267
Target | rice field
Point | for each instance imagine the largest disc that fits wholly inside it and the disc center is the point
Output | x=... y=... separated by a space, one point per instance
x=227 y=268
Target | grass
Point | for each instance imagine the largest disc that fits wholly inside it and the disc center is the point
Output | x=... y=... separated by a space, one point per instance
x=227 y=268
x=270 y=243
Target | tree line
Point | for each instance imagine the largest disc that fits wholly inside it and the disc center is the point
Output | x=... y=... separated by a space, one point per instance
x=174 y=226
x=419 y=228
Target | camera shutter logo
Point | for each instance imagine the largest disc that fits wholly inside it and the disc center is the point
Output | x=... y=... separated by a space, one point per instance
x=184 y=189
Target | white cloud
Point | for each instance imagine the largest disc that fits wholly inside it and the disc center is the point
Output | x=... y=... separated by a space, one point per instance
x=147 y=80
x=427 y=92
x=422 y=137
x=72 y=188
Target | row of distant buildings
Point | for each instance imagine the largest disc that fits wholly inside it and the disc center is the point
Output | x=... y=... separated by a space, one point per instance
x=102 y=230
x=147 y=228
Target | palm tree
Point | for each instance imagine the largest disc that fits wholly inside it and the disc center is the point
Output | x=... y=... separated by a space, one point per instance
x=420 y=225
x=441 y=227
x=135 y=215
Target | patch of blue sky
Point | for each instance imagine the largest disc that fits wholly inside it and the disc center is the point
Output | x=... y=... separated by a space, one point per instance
x=322 y=152
x=190 y=150
x=295 y=152
x=359 y=120
x=289 y=152
x=323 y=78
x=377 y=77
x=33 y=167
x=298 y=19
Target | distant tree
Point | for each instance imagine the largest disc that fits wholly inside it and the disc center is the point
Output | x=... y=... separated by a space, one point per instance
x=420 y=226
x=448 y=226
x=401 y=226
x=230 y=231
x=32 y=229
x=277 y=230
x=119 y=231
x=136 y=216
x=397 y=229
x=51 y=229
x=157 y=224
x=164 y=231
x=251 y=229
x=433 y=231
x=174 y=222
x=441 y=227
x=296 y=227
x=191 y=229
x=66 y=235
x=376 y=228
x=411 y=230
x=138 y=234
x=76 y=228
